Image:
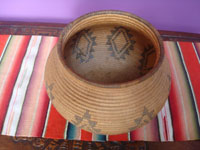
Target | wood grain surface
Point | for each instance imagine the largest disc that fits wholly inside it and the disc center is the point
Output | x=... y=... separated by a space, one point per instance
x=22 y=143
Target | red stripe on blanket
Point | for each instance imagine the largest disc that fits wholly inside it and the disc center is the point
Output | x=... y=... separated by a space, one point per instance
x=174 y=96
x=10 y=81
x=86 y=136
x=120 y=137
x=148 y=132
x=3 y=40
x=56 y=125
x=137 y=134
x=193 y=67
x=41 y=114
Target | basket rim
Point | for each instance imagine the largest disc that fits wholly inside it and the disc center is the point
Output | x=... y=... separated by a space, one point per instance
x=111 y=85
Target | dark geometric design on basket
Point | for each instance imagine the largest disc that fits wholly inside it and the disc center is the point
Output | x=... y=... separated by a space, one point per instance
x=169 y=78
x=146 y=116
x=49 y=88
x=84 y=51
x=147 y=53
x=91 y=124
x=120 y=50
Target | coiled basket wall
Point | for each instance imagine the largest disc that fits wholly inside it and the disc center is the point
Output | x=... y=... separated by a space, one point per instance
x=108 y=73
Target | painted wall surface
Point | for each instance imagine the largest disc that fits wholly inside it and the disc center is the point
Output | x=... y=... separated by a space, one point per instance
x=174 y=15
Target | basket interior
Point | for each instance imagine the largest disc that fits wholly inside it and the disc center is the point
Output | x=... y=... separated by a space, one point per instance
x=108 y=53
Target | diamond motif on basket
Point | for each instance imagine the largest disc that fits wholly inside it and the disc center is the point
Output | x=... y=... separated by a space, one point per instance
x=148 y=55
x=120 y=42
x=83 y=47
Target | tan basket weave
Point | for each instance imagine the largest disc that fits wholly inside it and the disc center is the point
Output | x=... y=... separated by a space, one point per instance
x=108 y=73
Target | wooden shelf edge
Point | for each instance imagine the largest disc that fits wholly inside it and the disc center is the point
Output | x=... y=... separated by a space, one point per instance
x=27 y=143
x=54 y=29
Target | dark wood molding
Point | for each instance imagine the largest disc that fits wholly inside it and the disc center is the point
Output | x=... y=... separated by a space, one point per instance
x=54 y=29
x=25 y=28
x=25 y=143
x=179 y=36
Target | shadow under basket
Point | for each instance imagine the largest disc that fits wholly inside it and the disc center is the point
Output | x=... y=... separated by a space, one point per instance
x=108 y=73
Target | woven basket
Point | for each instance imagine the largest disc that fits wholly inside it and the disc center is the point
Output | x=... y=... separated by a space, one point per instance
x=108 y=73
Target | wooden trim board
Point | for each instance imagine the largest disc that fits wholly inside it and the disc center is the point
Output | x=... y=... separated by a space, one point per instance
x=54 y=29
x=25 y=143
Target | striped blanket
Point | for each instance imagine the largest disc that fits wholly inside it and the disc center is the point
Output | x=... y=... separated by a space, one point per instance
x=25 y=109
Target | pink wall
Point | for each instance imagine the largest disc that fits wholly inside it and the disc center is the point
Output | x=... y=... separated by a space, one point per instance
x=174 y=15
